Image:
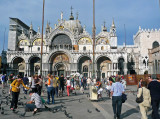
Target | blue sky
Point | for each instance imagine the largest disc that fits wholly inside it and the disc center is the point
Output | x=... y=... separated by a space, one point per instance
x=132 y=13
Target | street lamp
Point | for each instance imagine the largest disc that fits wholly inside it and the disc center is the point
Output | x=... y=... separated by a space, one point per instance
x=93 y=36
x=42 y=39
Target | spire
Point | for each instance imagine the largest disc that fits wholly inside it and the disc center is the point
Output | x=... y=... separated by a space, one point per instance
x=31 y=27
x=47 y=27
x=113 y=25
x=71 y=17
x=62 y=16
x=77 y=16
x=104 y=27
x=38 y=29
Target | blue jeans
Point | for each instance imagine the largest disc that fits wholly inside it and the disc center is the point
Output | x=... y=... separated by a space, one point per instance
x=30 y=107
x=117 y=105
x=56 y=91
x=50 y=92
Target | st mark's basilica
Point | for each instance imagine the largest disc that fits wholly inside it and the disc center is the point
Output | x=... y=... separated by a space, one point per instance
x=67 y=48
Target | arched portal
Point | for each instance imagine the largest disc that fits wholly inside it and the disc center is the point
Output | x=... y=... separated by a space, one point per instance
x=18 y=66
x=34 y=65
x=60 y=64
x=121 y=66
x=84 y=66
x=104 y=66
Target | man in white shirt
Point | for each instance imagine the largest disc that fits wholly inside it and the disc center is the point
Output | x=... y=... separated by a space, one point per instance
x=35 y=103
x=116 y=93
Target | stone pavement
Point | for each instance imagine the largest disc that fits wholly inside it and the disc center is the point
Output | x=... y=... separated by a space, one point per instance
x=78 y=107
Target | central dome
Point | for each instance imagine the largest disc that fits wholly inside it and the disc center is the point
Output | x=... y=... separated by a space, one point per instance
x=73 y=25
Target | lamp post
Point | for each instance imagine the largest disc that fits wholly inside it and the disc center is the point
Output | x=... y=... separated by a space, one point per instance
x=93 y=36
x=42 y=38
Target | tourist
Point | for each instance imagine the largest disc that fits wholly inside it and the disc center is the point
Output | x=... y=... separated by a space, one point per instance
x=35 y=103
x=62 y=82
x=58 y=83
x=10 y=80
x=39 y=85
x=68 y=84
x=154 y=87
x=88 y=82
x=26 y=82
x=33 y=85
x=3 y=81
x=54 y=85
x=99 y=88
x=30 y=80
x=50 y=90
x=108 y=87
x=146 y=99
x=116 y=93
x=72 y=81
x=84 y=82
x=139 y=84
x=15 y=91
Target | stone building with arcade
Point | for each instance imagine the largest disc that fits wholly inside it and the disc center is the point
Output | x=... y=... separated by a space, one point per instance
x=67 y=48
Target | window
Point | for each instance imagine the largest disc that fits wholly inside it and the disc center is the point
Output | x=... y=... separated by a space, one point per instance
x=38 y=48
x=84 y=48
x=85 y=69
x=155 y=44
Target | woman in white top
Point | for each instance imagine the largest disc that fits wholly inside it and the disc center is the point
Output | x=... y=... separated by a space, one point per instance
x=68 y=83
x=146 y=99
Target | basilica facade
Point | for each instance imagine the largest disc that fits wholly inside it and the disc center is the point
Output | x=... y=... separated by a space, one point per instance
x=68 y=48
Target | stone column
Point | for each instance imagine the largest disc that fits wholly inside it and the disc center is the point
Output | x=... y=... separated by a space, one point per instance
x=125 y=68
x=26 y=70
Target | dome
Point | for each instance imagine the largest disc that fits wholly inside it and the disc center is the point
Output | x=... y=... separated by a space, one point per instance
x=73 y=25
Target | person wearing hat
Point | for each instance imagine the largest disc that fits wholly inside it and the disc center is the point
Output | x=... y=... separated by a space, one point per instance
x=15 y=91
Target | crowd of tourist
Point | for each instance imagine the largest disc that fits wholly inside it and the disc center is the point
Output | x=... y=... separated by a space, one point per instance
x=57 y=86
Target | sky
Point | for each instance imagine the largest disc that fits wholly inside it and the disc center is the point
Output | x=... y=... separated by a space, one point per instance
x=132 y=13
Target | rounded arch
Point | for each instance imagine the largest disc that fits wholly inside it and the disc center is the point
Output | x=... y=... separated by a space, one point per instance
x=61 y=66
x=121 y=58
x=103 y=57
x=104 y=65
x=61 y=39
x=56 y=32
x=155 y=44
x=84 y=62
x=84 y=41
x=37 y=42
x=84 y=56
x=33 y=56
x=18 y=65
x=121 y=65
x=17 y=57
x=34 y=64
x=52 y=54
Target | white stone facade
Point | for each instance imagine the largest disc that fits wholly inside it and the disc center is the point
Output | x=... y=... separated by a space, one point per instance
x=67 y=49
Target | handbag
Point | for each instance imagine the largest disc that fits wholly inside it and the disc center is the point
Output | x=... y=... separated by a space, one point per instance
x=140 y=99
x=124 y=97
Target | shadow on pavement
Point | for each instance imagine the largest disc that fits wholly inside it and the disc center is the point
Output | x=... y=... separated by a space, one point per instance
x=129 y=112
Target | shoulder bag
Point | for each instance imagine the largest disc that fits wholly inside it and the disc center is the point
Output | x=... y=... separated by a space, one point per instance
x=140 y=99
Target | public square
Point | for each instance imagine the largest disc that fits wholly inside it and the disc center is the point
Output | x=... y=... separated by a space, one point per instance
x=73 y=43
x=78 y=107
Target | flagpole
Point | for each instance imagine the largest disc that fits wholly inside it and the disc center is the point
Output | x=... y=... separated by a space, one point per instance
x=42 y=39
x=93 y=36
x=4 y=38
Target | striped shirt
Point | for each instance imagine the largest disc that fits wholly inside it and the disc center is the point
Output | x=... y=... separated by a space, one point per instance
x=37 y=100
x=117 y=89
